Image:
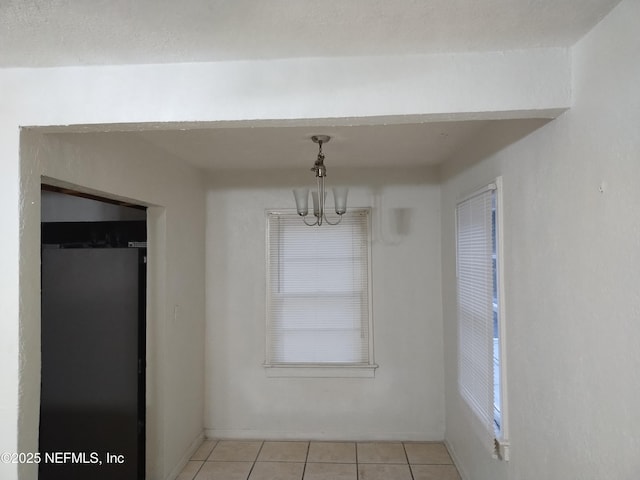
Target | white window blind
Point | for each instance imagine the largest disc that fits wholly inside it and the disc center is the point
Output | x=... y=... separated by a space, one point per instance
x=318 y=291
x=476 y=296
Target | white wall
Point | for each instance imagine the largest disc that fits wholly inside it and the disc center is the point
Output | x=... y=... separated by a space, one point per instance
x=405 y=399
x=572 y=270
x=175 y=195
x=475 y=85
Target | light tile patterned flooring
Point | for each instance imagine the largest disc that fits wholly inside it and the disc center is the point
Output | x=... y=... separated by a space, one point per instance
x=294 y=460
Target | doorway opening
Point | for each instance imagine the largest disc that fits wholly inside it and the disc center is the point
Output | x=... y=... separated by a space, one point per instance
x=93 y=337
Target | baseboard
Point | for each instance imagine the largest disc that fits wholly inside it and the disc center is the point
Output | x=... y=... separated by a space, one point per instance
x=456 y=460
x=221 y=433
x=185 y=458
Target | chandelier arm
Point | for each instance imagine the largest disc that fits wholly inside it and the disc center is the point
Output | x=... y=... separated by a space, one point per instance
x=321 y=197
x=304 y=219
x=334 y=223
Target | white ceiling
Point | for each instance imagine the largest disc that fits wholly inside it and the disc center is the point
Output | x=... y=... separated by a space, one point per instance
x=44 y=33
x=38 y=33
x=264 y=147
x=372 y=146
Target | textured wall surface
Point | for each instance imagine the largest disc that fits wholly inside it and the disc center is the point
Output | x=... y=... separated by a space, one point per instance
x=405 y=399
x=175 y=195
x=572 y=266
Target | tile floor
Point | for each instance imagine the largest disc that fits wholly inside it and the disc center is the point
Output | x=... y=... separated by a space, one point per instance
x=293 y=460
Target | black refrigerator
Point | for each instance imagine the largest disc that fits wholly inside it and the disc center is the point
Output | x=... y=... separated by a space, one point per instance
x=93 y=367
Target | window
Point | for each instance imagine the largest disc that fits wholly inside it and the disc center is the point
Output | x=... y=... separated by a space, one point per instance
x=480 y=313
x=318 y=312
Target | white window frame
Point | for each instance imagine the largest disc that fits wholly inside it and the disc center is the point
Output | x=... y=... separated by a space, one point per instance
x=496 y=436
x=322 y=370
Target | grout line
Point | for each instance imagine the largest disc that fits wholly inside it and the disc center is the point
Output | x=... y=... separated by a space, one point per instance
x=255 y=460
x=306 y=459
x=404 y=448
x=198 y=471
x=215 y=444
x=356 y=454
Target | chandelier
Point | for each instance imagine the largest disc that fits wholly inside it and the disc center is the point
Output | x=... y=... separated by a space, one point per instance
x=319 y=196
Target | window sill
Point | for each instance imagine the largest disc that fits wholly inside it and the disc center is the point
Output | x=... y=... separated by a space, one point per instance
x=320 y=370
